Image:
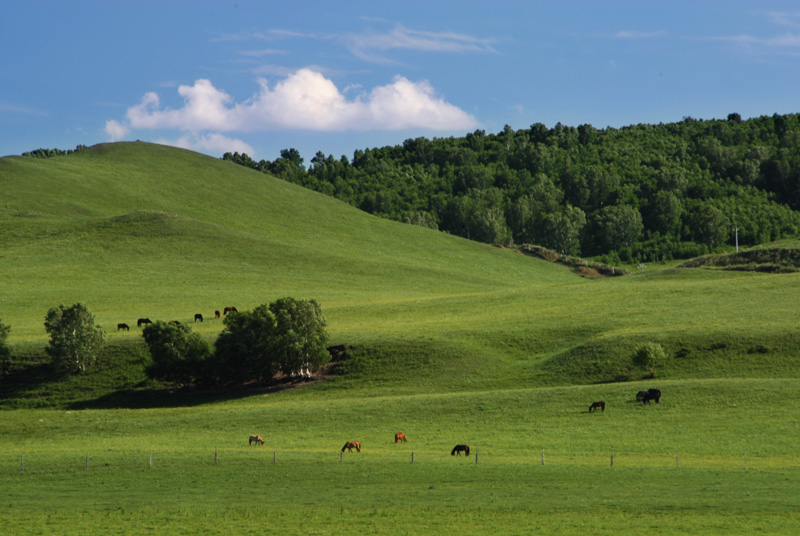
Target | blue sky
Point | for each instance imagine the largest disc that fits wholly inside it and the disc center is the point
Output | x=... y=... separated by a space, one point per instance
x=258 y=77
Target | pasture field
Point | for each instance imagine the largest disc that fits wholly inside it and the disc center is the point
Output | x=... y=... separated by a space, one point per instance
x=296 y=484
x=448 y=341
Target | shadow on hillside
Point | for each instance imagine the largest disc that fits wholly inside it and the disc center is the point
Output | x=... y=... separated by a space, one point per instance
x=176 y=398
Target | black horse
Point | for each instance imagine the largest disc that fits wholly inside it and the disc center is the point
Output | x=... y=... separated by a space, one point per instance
x=640 y=396
x=597 y=405
x=143 y=321
x=123 y=327
x=458 y=449
x=197 y=317
x=653 y=394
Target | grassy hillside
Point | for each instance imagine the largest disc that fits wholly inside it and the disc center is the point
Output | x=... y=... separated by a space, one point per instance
x=450 y=342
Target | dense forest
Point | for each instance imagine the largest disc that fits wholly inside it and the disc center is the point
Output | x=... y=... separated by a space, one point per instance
x=637 y=193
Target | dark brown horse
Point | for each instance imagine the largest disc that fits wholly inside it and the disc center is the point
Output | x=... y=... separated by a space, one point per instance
x=123 y=327
x=458 y=449
x=216 y=313
x=229 y=310
x=350 y=445
x=652 y=394
x=197 y=317
x=399 y=437
x=143 y=321
x=597 y=405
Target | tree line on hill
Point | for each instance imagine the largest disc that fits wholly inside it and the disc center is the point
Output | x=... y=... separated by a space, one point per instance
x=633 y=194
x=285 y=336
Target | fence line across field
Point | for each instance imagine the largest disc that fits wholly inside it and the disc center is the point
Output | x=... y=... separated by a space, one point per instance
x=34 y=460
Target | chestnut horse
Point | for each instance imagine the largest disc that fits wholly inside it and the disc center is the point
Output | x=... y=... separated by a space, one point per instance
x=229 y=310
x=399 y=436
x=597 y=405
x=458 y=449
x=350 y=445
x=257 y=439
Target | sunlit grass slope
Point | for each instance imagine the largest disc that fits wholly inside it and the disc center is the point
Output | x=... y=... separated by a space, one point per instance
x=139 y=230
x=135 y=229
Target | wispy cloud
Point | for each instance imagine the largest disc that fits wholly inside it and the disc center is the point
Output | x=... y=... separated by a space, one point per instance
x=12 y=108
x=629 y=34
x=369 y=46
x=785 y=19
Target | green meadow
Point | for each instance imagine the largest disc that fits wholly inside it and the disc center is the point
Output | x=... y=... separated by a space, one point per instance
x=447 y=340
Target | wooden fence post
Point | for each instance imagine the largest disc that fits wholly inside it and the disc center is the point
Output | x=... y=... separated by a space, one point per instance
x=476 y=456
x=151 y=459
x=612 y=457
x=542 y=456
x=86 y=466
x=215 y=456
x=22 y=464
x=341 y=456
x=274 y=457
x=745 y=461
x=677 y=463
x=412 y=456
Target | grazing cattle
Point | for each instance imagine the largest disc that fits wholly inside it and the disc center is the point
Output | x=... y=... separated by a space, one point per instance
x=197 y=317
x=399 y=436
x=458 y=449
x=124 y=327
x=640 y=396
x=597 y=405
x=229 y=310
x=143 y=321
x=216 y=313
x=350 y=445
x=256 y=439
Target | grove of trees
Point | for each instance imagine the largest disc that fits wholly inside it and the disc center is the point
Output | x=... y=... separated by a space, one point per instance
x=637 y=193
x=284 y=336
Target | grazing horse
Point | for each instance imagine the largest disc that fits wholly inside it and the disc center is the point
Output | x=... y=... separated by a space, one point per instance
x=197 y=317
x=257 y=439
x=229 y=310
x=216 y=313
x=143 y=321
x=653 y=394
x=123 y=326
x=458 y=449
x=641 y=395
x=175 y=322
x=597 y=405
x=399 y=436
x=350 y=445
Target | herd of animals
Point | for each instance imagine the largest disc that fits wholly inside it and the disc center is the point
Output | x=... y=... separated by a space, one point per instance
x=642 y=396
x=122 y=326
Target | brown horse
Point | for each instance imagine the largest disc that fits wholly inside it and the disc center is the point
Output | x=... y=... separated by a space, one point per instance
x=597 y=405
x=458 y=449
x=350 y=445
x=143 y=321
x=229 y=310
x=124 y=327
x=257 y=439
x=197 y=317
x=216 y=313
x=399 y=436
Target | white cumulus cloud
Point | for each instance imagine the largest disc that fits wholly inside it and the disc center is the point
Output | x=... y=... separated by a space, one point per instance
x=304 y=100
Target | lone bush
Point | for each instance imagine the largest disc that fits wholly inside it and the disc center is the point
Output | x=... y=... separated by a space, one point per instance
x=650 y=356
x=74 y=337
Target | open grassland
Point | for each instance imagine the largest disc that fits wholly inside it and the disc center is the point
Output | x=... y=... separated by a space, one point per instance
x=714 y=455
x=450 y=342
